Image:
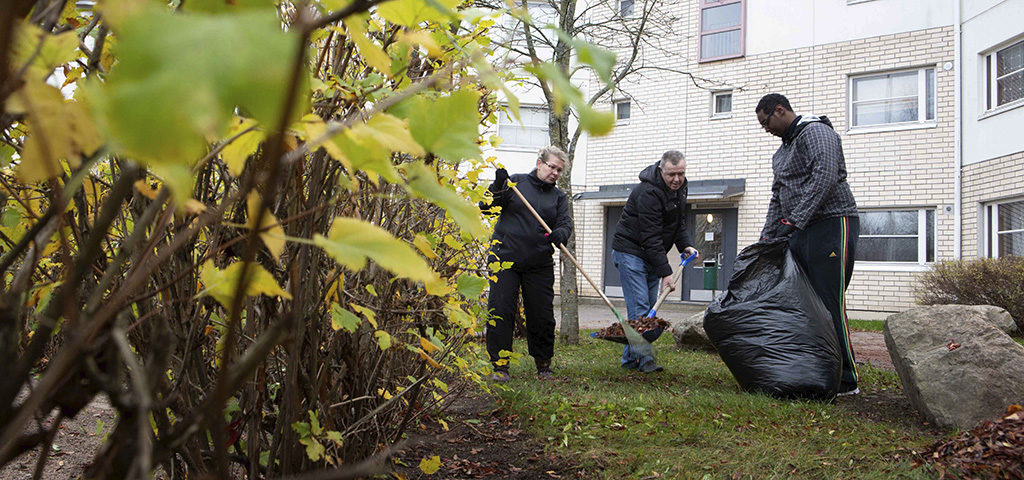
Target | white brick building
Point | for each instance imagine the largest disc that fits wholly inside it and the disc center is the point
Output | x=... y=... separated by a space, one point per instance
x=884 y=71
x=924 y=93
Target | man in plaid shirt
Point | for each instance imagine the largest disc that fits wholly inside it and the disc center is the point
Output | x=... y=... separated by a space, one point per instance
x=813 y=206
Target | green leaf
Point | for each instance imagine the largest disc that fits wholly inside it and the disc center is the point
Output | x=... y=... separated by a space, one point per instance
x=596 y=122
x=601 y=59
x=314 y=450
x=221 y=6
x=221 y=284
x=371 y=289
x=383 y=339
x=6 y=152
x=164 y=98
x=424 y=184
x=56 y=50
x=301 y=428
x=430 y=466
x=409 y=13
x=351 y=242
x=470 y=286
x=447 y=126
x=314 y=424
x=342 y=318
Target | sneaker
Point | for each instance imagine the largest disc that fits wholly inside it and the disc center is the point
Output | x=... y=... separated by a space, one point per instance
x=848 y=393
x=651 y=367
x=545 y=373
x=629 y=365
x=500 y=376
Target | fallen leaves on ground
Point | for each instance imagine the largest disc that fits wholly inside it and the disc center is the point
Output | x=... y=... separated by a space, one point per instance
x=992 y=450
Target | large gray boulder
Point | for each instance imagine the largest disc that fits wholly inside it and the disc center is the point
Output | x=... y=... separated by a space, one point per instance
x=997 y=316
x=689 y=333
x=957 y=368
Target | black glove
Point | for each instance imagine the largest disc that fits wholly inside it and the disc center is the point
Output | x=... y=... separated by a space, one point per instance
x=557 y=237
x=500 y=180
x=786 y=230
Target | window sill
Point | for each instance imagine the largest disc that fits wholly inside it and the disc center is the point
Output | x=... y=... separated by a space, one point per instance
x=863 y=266
x=517 y=148
x=1002 y=109
x=619 y=123
x=895 y=127
x=721 y=116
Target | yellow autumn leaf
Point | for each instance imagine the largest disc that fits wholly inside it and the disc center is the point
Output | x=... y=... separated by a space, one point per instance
x=193 y=207
x=238 y=151
x=315 y=129
x=350 y=242
x=428 y=346
x=390 y=132
x=220 y=284
x=430 y=466
x=383 y=339
x=421 y=38
x=373 y=54
x=145 y=189
x=423 y=245
x=272 y=236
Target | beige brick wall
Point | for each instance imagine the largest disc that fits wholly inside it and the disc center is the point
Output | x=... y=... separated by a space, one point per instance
x=908 y=168
x=992 y=180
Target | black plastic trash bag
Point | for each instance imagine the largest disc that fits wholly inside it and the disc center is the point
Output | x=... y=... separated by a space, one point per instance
x=772 y=330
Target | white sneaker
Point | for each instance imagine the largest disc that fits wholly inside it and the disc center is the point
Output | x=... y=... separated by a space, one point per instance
x=855 y=391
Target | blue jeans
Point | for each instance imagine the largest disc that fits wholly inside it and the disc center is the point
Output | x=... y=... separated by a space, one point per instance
x=640 y=290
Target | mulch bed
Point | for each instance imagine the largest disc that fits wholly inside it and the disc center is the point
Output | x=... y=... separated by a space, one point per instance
x=992 y=450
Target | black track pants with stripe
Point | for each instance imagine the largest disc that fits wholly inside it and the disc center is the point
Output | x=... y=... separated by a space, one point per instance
x=826 y=250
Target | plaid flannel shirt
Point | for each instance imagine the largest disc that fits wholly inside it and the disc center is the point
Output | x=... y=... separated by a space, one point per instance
x=809 y=180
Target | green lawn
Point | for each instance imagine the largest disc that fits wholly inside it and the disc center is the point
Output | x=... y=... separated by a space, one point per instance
x=692 y=421
x=867 y=325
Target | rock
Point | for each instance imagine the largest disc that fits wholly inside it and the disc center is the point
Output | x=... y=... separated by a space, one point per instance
x=689 y=333
x=956 y=367
x=998 y=316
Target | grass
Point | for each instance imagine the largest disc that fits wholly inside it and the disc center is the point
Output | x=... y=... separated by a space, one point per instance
x=867 y=325
x=692 y=421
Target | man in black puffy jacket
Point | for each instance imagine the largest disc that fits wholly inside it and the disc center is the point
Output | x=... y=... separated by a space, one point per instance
x=651 y=223
x=524 y=242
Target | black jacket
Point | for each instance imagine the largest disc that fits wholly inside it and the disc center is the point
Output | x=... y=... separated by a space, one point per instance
x=653 y=221
x=521 y=235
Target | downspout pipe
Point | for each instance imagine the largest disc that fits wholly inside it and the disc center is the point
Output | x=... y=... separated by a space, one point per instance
x=957 y=141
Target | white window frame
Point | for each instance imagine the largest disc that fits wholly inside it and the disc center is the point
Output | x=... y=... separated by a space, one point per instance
x=990 y=227
x=714 y=104
x=507 y=146
x=618 y=9
x=742 y=27
x=514 y=26
x=990 y=104
x=922 y=102
x=922 y=263
x=615 y=111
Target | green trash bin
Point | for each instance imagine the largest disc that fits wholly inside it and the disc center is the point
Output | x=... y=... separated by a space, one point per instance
x=710 y=275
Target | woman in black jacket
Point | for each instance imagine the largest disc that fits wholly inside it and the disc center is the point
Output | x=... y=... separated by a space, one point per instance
x=524 y=242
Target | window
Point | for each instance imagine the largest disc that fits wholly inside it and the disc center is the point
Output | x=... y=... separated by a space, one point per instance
x=542 y=13
x=721 y=29
x=721 y=104
x=893 y=98
x=1004 y=76
x=1004 y=229
x=625 y=8
x=906 y=236
x=531 y=134
x=622 y=110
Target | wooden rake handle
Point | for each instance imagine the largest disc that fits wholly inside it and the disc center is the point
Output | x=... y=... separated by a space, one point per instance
x=563 y=249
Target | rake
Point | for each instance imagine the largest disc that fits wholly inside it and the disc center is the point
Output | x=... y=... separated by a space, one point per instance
x=636 y=341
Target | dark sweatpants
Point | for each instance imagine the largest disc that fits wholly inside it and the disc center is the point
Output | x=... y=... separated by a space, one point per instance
x=537 y=285
x=826 y=250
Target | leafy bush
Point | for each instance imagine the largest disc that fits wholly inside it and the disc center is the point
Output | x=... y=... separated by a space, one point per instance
x=989 y=281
